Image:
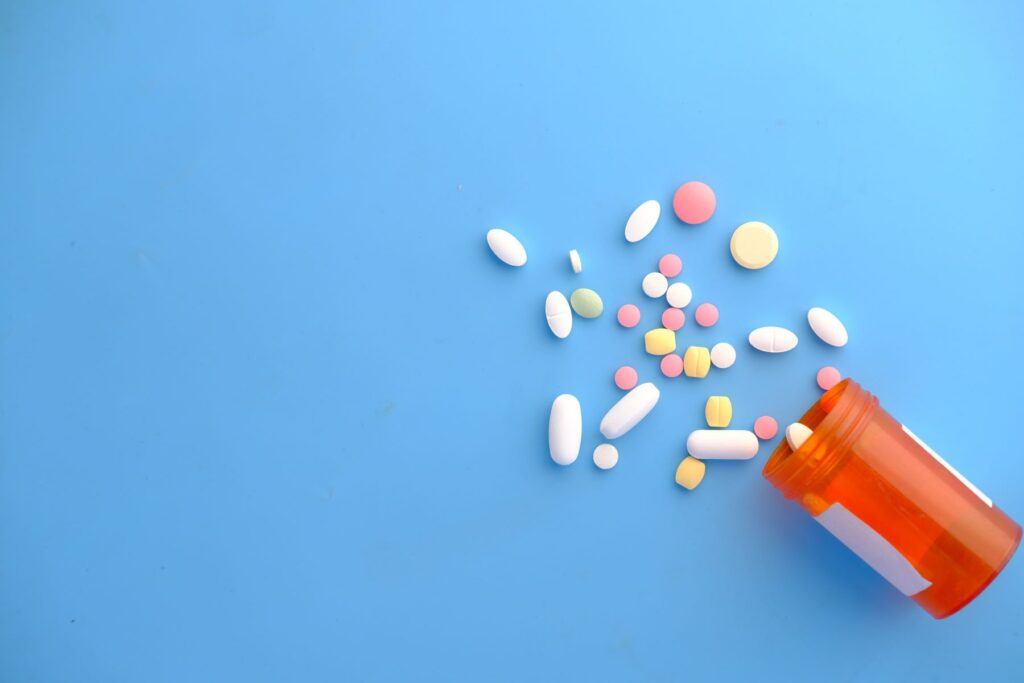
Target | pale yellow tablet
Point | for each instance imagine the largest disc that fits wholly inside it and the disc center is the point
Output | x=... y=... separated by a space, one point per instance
x=754 y=245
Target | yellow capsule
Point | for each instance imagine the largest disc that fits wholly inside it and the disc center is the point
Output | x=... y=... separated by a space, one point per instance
x=697 y=361
x=660 y=341
x=718 y=411
x=690 y=473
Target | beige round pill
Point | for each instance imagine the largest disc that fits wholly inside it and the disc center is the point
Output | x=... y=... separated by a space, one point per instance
x=754 y=245
x=606 y=456
x=690 y=473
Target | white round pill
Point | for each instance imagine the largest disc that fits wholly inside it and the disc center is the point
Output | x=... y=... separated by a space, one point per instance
x=655 y=285
x=679 y=295
x=605 y=456
x=723 y=355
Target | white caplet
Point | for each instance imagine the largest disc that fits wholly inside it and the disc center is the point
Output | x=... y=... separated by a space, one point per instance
x=506 y=247
x=827 y=326
x=574 y=260
x=796 y=434
x=630 y=409
x=722 y=444
x=772 y=339
x=565 y=429
x=642 y=220
x=556 y=308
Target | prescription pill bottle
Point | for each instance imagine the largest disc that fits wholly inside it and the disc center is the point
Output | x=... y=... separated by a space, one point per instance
x=892 y=500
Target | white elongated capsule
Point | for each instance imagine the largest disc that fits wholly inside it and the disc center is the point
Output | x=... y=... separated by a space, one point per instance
x=796 y=434
x=630 y=409
x=575 y=262
x=827 y=326
x=565 y=429
x=772 y=339
x=556 y=308
x=642 y=220
x=722 y=444
x=506 y=247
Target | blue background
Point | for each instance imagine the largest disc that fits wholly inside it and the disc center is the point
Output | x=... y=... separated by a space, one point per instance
x=271 y=411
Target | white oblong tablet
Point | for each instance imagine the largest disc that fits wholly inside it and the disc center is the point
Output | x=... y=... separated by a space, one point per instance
x=574 y=259
x=556 y=308
x=654 y=285
x=827 y=326
x=796 y=434
x=772 y=339
x=565 y=429
x=723 y=355
x=606 y=456
x=630 y=409
x=506 y=247
x=679 y=295
x=642 y=220
x=722 y=444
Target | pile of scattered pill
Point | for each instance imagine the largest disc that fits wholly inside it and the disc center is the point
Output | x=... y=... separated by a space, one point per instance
x=753 y=245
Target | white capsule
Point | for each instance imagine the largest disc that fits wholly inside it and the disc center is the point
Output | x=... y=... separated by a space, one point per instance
x=654 y=285
x=722 y=444
x=630 y=409
x=723 y=355
x=772 y=339
x=827 y=326
x=506 y=247
x=796 y=434
x=574 y=259
x=679 y=295
x=565 y=429
x=642 y=220
x=556 y=307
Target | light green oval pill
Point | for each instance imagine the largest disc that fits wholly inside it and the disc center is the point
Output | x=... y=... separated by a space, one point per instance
x=586 y=303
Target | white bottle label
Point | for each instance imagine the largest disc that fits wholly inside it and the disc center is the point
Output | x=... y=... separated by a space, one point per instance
x=873 y=549
x=952 y=470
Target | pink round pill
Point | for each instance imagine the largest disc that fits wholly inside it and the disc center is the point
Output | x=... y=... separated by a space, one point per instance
x=670 y=265
x=672 y=365
x=673 y=319
x=706 y=315
x=625 y=378
x=828 y=377
x=766 y=427
x=628 y=315
x=694 y=202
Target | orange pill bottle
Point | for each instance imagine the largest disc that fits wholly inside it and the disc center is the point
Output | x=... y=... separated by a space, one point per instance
x=892 y=500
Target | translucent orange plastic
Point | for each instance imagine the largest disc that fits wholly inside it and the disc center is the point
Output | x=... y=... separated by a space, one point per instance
x=863 y=459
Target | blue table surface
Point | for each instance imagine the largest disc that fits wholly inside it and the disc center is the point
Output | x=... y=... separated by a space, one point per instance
x=270 y=410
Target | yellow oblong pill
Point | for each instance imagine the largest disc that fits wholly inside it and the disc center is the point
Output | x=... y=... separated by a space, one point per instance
x=690 y=473
x=718 y=411
x=697 y=361
x=754 y=245
x=660 y=341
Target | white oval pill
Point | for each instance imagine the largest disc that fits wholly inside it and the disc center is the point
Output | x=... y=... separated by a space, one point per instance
x=796 y=434
x=630 y=409
x=772 y=339
x=722 y=444
x=574 y=259
x=679 y=295
x=565 y=429
x=723 y=355
x=605 y=456
x=642 y=220
x=506 y=247
x=827 y=326
x=654 y=285
x=556 y=307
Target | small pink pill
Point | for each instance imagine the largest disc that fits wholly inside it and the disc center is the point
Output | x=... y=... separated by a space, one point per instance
x=706 y=315
x=673 y=319
x=766 y=427
x=625 y=378
x=694 y=202
x=670 y=265
x=628 y=315
x=672 y=365
x=828 y=377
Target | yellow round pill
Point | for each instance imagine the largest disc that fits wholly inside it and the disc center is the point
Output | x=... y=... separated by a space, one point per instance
x=754 y=245
x=690 y=473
